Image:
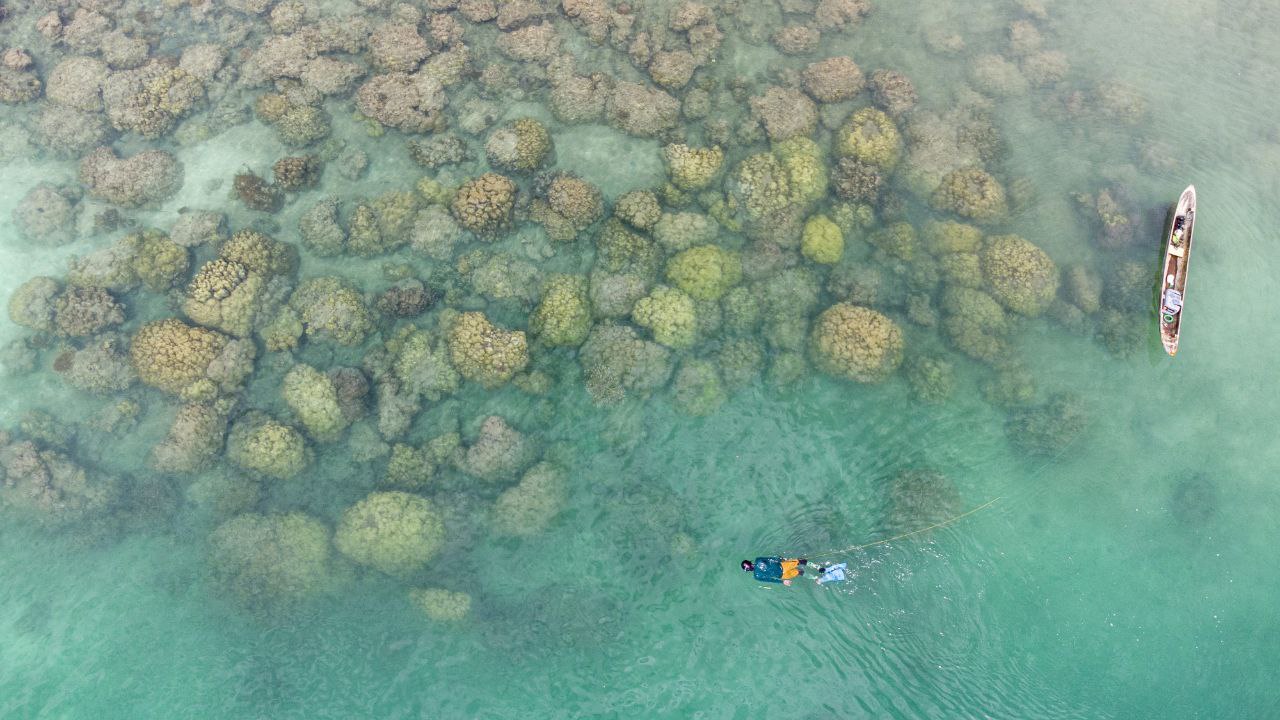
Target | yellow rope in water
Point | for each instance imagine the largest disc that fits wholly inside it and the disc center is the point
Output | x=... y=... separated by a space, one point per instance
x=856 y=548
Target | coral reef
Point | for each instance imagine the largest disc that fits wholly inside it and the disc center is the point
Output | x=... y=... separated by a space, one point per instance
x=225 y=296
x=193 y=442
x=271 y=562
x=785 y=113
x=422 y=366
x=1048 y=429
x=856 y=343
x=566 y=206
x=870 y=137
x=330 y=309
x=31 y=304
x=1022 y=276
x=394 y=532
x=669 y=314
x=705 y=272
x=822 y=241
x=499 y=452
x=692 y=168
x=441 y=605
x=697 y=388
x=563 y=316
x=101 y=366
x=931 y=378
x=412 y=103
x=971 y=193
x=146 y=177
x=46 y=485
x=694 y=200
x=639 y=110
x=46 y=215
x=485 y=353
x=313 y=397
x=616 y=363
x=892 y=92
x=639 y=209
x=833 y=80
x=483 y=205
x=529 y=506
x=85 y=311
x=297 y=124
x=919 y=498
x=524 y=145
x=262 y=445
x=296 y=172
x=974 y=323
x=171 y=355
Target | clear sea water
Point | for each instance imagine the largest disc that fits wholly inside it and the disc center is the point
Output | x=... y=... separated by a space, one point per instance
x=1093 y=588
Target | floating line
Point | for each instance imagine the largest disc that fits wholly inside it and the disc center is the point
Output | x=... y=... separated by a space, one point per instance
x=855 y=548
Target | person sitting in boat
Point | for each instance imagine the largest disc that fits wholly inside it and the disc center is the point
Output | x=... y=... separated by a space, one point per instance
x=775 y=569
x=1179 y=224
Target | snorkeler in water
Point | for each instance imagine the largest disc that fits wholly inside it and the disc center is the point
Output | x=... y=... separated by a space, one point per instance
x=775 y=569
x=832 y=573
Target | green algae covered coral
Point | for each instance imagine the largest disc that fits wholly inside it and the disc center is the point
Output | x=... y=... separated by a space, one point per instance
x=485 y=353
x=822 y=241
x=972 y=193
x=223 y=295
x=330 y=309
x=762 y=185
x=705 y=272
x=1022 y=276
x=806 y=168
x=975 y=323
x=563 y=316
x=395 y=532
x=870 y=136
x=422 y=365
x=260 y=444
x=441 y=605
x=669 y=314
x=856 y=343
x=931 y=378
x=951 y=237
x=314 y=399
x=692 y=168
x=898 y=240
x=157 y=261
x=774 y=191
x=529 y=506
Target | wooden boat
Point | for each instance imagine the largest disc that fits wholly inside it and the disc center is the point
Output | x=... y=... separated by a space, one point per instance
x=1173 y=277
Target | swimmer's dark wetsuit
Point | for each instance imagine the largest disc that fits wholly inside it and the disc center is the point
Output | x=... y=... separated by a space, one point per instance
x=776 y=569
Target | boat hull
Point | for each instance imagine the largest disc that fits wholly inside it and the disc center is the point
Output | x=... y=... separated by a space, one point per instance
x=1171 y=303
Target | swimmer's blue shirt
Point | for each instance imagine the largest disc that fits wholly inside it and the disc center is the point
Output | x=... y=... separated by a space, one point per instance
x=768 y=569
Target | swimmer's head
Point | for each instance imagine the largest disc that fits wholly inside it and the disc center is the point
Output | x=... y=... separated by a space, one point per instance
x=748 y=565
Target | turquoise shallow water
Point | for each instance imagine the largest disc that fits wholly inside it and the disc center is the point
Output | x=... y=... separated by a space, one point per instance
x=1125 y=575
